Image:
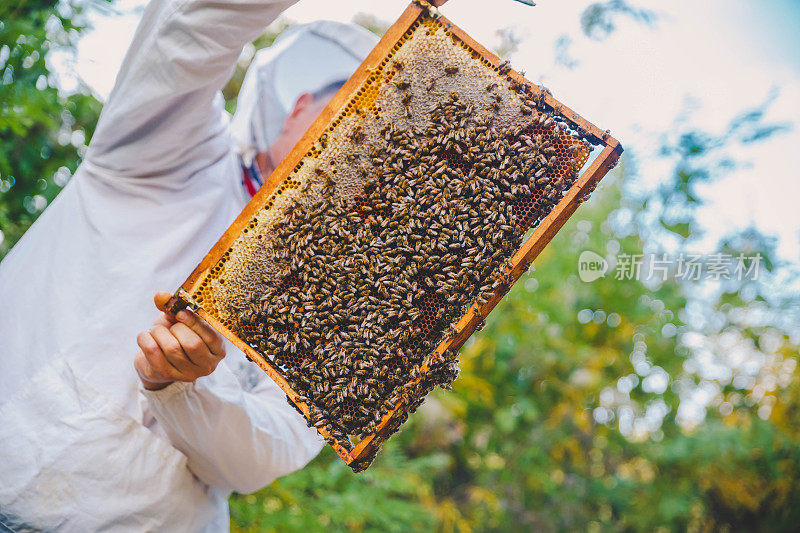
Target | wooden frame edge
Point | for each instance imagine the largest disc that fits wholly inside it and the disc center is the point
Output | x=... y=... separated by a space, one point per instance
x=521 y=260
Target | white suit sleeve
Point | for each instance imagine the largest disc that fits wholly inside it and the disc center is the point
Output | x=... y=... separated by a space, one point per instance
x=234 y=440
x=165 y=115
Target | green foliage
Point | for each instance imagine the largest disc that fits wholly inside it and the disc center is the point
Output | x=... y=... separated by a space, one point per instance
x=389 y=497
x=43 y=133
x=598 y=21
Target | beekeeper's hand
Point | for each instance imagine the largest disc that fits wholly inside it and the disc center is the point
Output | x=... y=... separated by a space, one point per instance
x=176 y=348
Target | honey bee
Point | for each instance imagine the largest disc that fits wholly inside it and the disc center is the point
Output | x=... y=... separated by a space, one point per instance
x=426 y=238
x=406 y=100
x=358 y=136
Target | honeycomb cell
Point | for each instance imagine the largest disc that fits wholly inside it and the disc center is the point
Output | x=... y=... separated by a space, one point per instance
x=401 y=215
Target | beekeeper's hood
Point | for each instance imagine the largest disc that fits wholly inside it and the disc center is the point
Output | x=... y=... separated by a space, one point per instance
x=303 y=59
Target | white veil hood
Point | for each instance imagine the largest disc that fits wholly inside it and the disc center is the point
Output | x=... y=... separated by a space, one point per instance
x=303 y=59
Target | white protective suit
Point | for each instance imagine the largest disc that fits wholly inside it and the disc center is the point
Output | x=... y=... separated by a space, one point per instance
x=82 y=446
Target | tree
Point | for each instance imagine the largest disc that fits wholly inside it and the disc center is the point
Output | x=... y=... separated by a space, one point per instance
x=43 y=132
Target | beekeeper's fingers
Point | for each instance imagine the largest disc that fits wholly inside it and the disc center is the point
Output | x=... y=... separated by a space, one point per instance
x=209 y=335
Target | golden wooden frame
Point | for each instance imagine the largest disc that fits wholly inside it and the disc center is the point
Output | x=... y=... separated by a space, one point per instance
x=522 y=259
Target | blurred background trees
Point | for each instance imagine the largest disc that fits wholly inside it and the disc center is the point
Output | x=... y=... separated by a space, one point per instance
x=43 y=131
x=653 y=404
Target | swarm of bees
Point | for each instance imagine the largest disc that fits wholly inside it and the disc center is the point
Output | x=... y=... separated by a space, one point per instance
x=391 y=230
x=368 y=287
x=353 y=274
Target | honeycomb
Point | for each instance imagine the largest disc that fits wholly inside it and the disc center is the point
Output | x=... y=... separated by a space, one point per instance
x=351 y=276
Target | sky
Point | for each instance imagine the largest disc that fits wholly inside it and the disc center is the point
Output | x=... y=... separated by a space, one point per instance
x=701 y=63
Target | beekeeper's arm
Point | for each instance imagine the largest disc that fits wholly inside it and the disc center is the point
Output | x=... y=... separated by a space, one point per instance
x=164 y=116
x=233 y=439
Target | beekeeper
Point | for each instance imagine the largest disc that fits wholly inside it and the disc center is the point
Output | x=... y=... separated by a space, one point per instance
x=106 y=426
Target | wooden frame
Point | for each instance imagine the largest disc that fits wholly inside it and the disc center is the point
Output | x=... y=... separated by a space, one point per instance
x=541 y=236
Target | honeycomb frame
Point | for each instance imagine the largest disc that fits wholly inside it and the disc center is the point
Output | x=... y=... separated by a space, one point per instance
x=190 y=293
